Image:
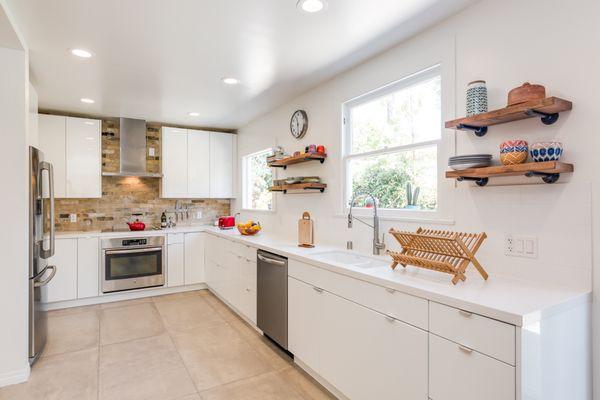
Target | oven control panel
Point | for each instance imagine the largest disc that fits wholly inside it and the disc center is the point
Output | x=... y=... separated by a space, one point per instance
x=134 y=242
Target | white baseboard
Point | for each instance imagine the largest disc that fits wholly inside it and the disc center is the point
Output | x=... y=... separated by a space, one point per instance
x=13 y=377
x=313 y=374
x=135 y=294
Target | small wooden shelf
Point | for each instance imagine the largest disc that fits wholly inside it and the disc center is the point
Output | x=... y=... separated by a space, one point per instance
x=284 y=162
x=549 y=171
x=547 y=109
x=299 y=186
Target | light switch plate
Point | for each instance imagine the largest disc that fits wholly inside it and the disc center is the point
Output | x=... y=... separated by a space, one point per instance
x=151 y=152
x=521 y=246
x=73 y=218
x=198 y=214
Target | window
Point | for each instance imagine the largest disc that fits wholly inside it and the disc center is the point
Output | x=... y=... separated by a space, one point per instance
x=391 y=138
x=257 y=179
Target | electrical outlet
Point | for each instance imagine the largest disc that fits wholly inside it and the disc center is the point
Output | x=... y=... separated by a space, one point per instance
x=521 y=246
x=198 y=214
x=151 y=152
x=73 y=218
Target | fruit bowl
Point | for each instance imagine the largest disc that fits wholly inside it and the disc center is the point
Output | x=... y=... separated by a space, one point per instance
x=249 y=229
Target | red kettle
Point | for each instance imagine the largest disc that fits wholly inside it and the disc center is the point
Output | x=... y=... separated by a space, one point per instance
x=137 y=225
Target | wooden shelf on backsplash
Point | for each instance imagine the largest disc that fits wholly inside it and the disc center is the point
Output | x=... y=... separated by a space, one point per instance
x=284 y=162
x=547 y=109
x=549 y=171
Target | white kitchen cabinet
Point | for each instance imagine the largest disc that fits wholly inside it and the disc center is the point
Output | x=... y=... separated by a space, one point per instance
x=52 y=142
x=175 y=260
x=88 y=265
x=83 y=158
x=174 y=143
x=459 y=373
x=198 y=158
x=248 y=297
x=64 y=284
x=221 y=165
x=194 y=258
x=304 y=322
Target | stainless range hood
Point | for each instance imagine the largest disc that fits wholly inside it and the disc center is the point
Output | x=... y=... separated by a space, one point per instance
x=133 y=149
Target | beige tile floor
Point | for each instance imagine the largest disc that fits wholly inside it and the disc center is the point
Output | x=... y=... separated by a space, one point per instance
x=187 y=346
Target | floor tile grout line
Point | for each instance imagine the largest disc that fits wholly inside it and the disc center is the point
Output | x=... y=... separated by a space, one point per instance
x=183 y=363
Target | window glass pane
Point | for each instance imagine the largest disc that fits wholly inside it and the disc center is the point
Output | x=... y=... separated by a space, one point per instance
x=259 y=179
x=389 y=176
x=410 y=115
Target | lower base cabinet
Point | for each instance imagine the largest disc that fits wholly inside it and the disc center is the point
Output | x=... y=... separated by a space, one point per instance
x=175 y=265
x=363 y=353
x=64 y=284
x=459 y=373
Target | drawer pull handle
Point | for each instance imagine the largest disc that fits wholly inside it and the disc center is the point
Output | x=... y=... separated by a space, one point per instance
x=389 y=290
x=465 y=349
x=465 y=314
x=390 y=318
x=318 y=289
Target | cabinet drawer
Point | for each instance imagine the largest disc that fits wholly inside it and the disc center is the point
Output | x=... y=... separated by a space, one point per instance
x=460 y=373
x=486 y=335
x=410 y=309
x=174 y=238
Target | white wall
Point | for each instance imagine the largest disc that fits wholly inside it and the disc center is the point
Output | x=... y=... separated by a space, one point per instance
x=14 y=101
x=551 y=42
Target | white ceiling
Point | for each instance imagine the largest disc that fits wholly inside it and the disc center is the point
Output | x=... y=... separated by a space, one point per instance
x=160 y=59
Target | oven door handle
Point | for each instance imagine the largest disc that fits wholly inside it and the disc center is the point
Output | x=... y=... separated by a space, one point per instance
x=131 y=251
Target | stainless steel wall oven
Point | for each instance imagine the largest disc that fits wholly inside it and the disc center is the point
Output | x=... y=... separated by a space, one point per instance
x=133 y=263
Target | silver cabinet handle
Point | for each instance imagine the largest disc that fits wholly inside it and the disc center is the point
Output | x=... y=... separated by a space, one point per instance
x=46 y=166
x=390 y=318
x=390 y=290
x=132 y=251
x=271 y=261
x=318 y=289
x=247 y=289
x=465 y=349
x=49 y=278
x=465 y=314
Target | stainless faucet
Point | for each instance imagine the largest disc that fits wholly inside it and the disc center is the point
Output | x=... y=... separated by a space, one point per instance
x=377 y=245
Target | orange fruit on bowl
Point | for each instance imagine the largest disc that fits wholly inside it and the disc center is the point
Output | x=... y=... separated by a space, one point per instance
x=250 y=228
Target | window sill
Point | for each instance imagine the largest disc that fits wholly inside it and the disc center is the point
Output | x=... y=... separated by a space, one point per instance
x=416 y=219
x=250 y=210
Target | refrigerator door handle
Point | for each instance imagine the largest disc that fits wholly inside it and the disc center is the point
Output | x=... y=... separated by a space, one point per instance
x=48 y=279
x=47 y=253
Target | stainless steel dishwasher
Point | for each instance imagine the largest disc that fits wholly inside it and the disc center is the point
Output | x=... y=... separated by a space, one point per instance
x=272 y=296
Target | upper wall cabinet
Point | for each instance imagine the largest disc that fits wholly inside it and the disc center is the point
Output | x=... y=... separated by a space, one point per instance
x=73 y=146
x=197 y=164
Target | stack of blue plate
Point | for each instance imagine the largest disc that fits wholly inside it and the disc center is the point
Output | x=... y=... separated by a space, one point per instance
x=458 y=163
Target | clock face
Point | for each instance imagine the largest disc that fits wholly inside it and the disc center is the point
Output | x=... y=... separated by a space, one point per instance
x=299 y=124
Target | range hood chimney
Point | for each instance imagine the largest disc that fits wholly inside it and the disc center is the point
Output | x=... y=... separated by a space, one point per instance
x=133 y=149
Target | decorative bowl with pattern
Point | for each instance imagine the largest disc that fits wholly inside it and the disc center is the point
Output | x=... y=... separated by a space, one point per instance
x=513 y=152
x=546 y=151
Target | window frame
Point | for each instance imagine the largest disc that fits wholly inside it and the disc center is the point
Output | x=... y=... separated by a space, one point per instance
x=440 y=213
x=246 y=206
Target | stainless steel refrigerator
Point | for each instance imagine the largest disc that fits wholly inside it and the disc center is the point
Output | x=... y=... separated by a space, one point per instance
x=41 y=248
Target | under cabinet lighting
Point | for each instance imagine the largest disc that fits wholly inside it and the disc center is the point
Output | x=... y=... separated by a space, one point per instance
x=230 y=81
x=87 y=101
x=311 y=6
x=194 y=114
x=81 y=53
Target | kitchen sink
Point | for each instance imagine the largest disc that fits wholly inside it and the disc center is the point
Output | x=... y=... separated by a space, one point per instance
x=351 y=259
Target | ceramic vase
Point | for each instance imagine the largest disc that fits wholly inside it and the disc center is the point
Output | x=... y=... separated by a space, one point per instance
x=477 y=98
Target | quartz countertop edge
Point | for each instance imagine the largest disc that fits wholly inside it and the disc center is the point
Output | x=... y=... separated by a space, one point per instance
x=508 y=300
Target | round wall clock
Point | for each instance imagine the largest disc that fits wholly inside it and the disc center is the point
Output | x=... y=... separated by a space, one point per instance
x=299 y=124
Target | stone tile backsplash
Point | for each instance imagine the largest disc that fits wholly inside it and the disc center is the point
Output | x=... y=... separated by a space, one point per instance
x=124 y=196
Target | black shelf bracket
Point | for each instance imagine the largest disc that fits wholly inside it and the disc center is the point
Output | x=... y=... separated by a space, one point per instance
x=546 y=177
x=547 y=119
x=306 y=188
x=478 y=181
x=479 y=131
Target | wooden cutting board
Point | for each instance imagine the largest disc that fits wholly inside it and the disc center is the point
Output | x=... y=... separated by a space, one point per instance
x=306 y=231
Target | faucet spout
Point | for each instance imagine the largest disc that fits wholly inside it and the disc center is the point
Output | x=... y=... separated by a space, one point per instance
x=377 y=245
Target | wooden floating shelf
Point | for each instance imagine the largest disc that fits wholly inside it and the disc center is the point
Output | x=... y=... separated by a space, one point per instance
x=299 y=186
x=547 y=109
x=549 y=171
x=284 y=162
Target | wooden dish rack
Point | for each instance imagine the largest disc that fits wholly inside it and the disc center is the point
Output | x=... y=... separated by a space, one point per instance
x=443 y=251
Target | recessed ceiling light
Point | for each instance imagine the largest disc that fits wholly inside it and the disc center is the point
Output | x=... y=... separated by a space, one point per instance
x=311 y=6
x=194 y=114
x=81 y=53
x=87 y=101
x=230 y=81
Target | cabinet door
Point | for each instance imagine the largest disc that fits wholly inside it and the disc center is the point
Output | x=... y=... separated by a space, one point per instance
x=174 y=163
x=457 y=373
x=248 y=304
x=194 y=258
x=84 y=158
x=304 y=325
x=175 y=265
x=221 y=165
x=88 y=265
x=198 y=154
x=64 y=284
x=52 y=142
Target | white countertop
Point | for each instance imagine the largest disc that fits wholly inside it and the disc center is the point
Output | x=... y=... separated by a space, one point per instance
x=516 y=302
